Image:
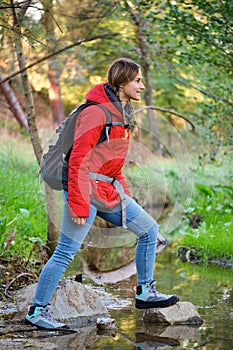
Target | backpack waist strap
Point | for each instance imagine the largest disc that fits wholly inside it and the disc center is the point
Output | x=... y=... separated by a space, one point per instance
x=118 y=187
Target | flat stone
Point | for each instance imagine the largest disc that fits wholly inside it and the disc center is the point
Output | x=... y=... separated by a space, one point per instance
x=72 y=302
x=182 y=313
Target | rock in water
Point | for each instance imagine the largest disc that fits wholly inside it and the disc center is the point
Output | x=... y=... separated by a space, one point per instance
x=106 y=323
x=72 y=302
x=182 y=313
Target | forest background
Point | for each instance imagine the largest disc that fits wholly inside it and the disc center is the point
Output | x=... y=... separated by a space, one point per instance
x=180 y=167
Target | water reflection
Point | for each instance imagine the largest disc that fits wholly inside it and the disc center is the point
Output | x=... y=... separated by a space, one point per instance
x=80 y=340
x=150 y=336
x=147 y=337
x=166 y=332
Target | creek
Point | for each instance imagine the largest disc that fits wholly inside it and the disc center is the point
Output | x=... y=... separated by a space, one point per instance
x=209 y=289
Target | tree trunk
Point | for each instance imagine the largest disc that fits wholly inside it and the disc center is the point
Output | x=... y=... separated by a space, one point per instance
x=55 y=94
x=53 y=65
x=52 y=229
x=145 y=62
x=53 y=233
x=14 y=104
x=30 y=110
x=149 y=95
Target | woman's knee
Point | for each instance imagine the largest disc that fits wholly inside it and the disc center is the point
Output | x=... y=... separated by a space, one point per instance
x=151 y=235
x=65 y=253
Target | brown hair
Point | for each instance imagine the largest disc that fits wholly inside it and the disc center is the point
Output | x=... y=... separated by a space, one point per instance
x=122 y=71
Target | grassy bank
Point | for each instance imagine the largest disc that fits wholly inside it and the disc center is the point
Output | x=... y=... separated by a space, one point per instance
x=208 y=220
x=23 y=221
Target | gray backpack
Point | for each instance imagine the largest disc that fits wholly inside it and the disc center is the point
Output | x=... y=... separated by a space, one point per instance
x=54 y=164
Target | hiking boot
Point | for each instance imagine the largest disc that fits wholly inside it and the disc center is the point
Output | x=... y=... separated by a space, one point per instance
x=41 y=318
x=148 y=297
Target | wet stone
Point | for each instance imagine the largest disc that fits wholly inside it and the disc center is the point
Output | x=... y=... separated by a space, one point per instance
x=182 y=313
x=72 y=303
x=106 y=323
x=7 y=310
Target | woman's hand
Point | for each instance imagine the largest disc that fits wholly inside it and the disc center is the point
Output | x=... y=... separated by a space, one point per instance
x=79 y=221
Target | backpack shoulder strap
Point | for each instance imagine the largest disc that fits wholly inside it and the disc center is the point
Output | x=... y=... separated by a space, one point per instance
x=105 y=133
x=107 y=112
x=106 y=130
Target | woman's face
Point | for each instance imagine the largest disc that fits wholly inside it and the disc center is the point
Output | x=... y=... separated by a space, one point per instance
x=132 y=90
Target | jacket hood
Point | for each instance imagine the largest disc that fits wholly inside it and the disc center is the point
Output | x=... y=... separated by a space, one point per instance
x=102 y=93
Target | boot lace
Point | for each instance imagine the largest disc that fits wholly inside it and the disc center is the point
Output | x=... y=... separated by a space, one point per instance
x=45 y=312
x=152 y=288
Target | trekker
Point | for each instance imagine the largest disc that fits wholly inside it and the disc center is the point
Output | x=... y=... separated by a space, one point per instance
x=95 y=186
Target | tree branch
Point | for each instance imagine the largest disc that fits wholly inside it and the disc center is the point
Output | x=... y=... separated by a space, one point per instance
x=79 y=42
x=23 y=10
x=165 y=110
x=14 y=30
x=188 y=83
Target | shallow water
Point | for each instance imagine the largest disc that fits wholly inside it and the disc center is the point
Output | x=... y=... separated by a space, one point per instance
x=209 y=289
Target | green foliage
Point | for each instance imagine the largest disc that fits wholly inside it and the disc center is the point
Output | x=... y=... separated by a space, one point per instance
x=189 y=53
x=205 y=26
x=22 y=207
x=208 y=220
x=203 y=62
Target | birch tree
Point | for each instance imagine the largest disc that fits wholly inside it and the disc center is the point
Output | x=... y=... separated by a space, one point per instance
x=18 y=14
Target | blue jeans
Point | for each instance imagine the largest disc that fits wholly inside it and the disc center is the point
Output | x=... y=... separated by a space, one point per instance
x=73 y=235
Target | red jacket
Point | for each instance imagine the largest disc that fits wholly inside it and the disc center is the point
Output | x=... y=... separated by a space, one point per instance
x=107 y=158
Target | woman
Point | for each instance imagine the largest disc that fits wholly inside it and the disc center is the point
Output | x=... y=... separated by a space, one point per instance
x=96 y=186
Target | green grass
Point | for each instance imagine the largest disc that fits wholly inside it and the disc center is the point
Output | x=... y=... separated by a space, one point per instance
x=208 y=222
x=214 y=232
x=22 y=205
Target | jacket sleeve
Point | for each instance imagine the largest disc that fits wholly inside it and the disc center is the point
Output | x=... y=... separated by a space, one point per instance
x=88 y=129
